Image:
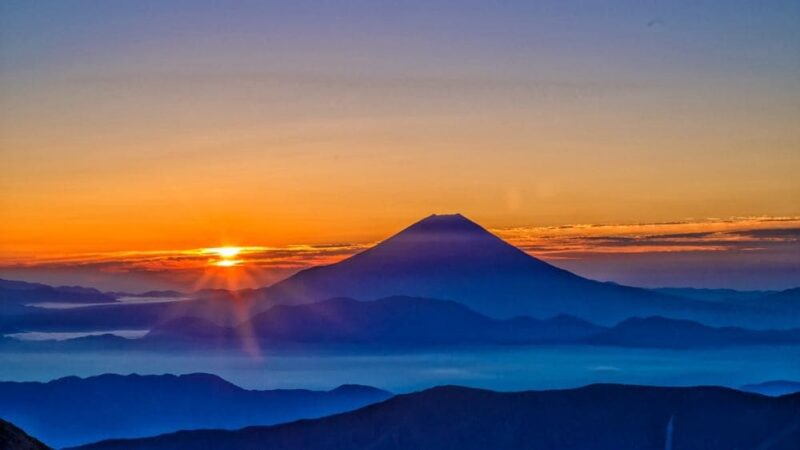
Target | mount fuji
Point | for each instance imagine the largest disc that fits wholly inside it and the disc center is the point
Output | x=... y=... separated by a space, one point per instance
x=453 y=258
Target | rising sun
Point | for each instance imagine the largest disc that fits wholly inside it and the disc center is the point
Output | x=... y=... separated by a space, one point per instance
x=226 y=256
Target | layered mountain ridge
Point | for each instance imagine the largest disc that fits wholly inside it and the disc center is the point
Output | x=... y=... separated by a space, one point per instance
x=120 y=406
x=600 y=417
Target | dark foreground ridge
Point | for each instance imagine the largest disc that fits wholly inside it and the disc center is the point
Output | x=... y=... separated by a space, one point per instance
x=598 y=417
x=73 y=411
x=12 y=438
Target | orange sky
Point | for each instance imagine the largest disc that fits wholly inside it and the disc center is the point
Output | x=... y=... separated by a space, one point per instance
x=719 y=251
x=160 y=126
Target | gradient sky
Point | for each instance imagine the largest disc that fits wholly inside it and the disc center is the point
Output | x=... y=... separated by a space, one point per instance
x=140 y=126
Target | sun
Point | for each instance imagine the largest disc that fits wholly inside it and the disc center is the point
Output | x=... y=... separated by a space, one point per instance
x=225 y=256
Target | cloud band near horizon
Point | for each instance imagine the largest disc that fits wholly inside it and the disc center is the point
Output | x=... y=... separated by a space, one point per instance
x=742 y=252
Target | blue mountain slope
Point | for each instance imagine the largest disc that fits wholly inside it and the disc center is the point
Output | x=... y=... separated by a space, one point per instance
x=417 y=322
x=72 y=410
x=404 y=321
x=661 y=332
x=597 y=417
x=21 y=292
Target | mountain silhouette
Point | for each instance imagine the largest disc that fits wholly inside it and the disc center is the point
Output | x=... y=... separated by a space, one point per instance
x=661 y=332
x=405 y=321
x=13 y=438
x=72 y=410
x=413 y=322
x=15 y=296
x=598 y=417
x=450 y=257
x=24 y=292
x=409 y=321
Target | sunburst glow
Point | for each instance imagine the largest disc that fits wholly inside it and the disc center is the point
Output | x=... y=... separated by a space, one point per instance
x=224 y=252
x=225 y=256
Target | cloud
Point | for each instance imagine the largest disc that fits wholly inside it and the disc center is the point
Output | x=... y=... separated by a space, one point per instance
x=289 y=257
x=745 y=252
x=713 y=235
x=554 y=242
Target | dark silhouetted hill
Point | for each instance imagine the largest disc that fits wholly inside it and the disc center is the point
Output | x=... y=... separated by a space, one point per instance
x=72 y=410
x=415 y=322
x=22 y=292
x=409 y=321
x=390 y=321
x=597 y=417
x=12 y=438
x=672 y=333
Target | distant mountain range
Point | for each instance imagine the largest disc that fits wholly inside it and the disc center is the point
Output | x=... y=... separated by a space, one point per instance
x=414 y=322
x=597 y=417
x=17 y=293
x=36 y=292
x=408 y=321
x=773 y=388
x=72 y=410
x=787 y=302
x=661 y=332
x=391 y=321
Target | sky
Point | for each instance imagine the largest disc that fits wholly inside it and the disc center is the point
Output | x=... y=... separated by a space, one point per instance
x=133 y=128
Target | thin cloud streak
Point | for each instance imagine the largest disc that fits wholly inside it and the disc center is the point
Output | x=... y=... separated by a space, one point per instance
x=293 y=256
x=712 y=235
x=555 y=242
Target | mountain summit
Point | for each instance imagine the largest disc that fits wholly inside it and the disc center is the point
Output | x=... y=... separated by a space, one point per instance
x=446 y=244
x=451 y=257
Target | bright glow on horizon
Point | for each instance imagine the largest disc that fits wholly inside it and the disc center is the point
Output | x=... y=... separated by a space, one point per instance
x=224 y=252
x=226 y=255
x=631 y=253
